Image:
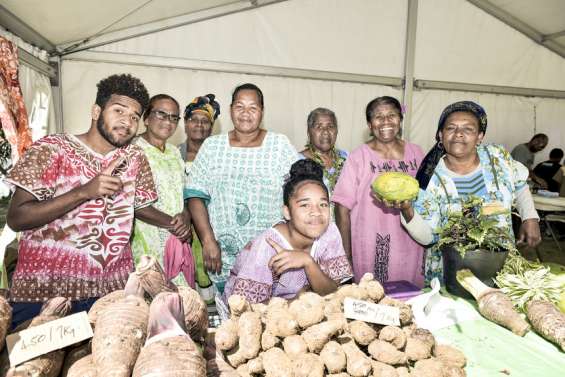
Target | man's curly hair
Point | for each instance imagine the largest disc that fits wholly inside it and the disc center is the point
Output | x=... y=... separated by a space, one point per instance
x=122 y=85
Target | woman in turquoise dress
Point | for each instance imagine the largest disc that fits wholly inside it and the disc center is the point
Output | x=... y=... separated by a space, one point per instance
x=235 y=184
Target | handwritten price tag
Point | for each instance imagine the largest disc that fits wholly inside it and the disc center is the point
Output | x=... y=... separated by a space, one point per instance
x=369 y=312
x=39 y=340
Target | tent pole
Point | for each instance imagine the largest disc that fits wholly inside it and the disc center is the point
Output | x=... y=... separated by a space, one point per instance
x=409 y=61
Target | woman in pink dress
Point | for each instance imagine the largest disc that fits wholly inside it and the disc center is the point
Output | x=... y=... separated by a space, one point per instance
x=372 y=235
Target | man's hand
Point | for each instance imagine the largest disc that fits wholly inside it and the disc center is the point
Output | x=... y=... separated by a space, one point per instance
x=104 y=184
x=212 y=256
x=286 y=260
x=529 y=233
x=180 y=228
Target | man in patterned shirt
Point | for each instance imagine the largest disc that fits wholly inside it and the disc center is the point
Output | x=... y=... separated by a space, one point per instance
x=75 y=201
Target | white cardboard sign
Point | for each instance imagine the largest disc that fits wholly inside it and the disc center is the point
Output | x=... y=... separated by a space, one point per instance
x=38 y=340
x=369 y=312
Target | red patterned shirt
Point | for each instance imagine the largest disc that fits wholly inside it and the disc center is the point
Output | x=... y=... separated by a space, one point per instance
x=86 y=252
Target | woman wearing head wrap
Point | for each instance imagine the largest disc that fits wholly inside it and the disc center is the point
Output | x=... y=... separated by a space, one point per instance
x=459 y=165
x=199 y=118
x=372 y=235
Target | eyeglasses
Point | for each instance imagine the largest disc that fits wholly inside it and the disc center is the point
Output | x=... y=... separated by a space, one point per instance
x=324 y=127
x=162 y=115
x=204 y=122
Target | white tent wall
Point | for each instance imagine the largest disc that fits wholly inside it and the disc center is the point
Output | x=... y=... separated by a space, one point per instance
x=456 y=42
x=287 y=101
x=357 y=36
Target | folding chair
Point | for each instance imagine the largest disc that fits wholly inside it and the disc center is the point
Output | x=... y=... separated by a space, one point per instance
x=553 y=217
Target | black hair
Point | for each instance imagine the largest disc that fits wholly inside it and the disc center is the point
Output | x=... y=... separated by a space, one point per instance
x=122 y=85
x=300 y=172
x=248 y=86
x=556 y=153
x=384 y=100
x=156 y=98
x=540 y=136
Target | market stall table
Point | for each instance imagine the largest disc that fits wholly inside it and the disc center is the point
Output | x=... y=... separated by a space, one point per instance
x=550 y=209
x=492 y=350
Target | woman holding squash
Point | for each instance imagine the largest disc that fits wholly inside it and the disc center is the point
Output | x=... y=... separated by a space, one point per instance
x=372 y=236
x=458 y=166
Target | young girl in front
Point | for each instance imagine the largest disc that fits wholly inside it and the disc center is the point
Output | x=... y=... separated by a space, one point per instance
x=303 y=252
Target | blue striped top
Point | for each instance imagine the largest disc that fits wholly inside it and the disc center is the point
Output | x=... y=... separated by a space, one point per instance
x=471 y=184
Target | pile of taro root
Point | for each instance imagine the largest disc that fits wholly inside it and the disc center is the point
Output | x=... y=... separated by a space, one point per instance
x=310 y=337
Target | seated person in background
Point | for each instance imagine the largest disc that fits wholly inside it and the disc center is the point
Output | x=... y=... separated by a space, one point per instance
x=304 y=251
x=547 y=169
x=525 y=153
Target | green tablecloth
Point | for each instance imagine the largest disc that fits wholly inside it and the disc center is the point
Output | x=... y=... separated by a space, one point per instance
x=492 y=350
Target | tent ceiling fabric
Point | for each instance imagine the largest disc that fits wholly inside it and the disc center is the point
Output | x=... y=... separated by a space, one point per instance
x=56 y=20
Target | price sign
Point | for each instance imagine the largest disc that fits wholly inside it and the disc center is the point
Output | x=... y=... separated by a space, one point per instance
x=369 y=312
x=39 y=340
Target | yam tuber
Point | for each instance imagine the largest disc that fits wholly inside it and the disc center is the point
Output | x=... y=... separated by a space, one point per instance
x=277 y=363
x=493 y=304
x=308 y=309
x=5 y=320
x=333 y=357
x=394 y=335
x=238 y=305
x=358 y=364
x=406 y=315
x=450 y=355
x=339 y=375
x=428 y=368
x=294 y=346
x=152 y=276
x=351 y=290
x=83 y=367
x=102 y=303
x=48 y=365
x=318 y=335
x=374 y=289
x=169 y=351
x=268 y=340
x=308 y=365
x=419 y=345
x=243 y=371
x=548 y=321
x=195 y=313
x=74 y=354
x=249 y=333
x=402 y=372
x=280 y=321
x=255 y=366
x=218 y=367
x=120 y=332
x=226 y=335
x=386 y=353
x=383 y=370
x=362 y=332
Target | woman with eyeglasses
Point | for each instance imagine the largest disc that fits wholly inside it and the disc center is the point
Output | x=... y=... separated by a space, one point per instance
x=199 y=118
x=322 y=135
x=235 y=184
x=372 y=235
x=161 y=120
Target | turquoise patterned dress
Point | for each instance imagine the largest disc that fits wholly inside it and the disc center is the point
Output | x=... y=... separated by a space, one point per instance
x=503 y=178
x=242 y=188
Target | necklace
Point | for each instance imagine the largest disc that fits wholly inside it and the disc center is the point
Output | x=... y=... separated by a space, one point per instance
x=331 y=173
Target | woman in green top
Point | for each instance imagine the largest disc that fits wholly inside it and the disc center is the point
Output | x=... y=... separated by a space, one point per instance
x=161 y=120
x=199 y=118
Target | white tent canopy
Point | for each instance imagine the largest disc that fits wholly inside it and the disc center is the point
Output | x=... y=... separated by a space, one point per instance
x=506 y=55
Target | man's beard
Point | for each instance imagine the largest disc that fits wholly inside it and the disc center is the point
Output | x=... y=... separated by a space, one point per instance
x=108 y=137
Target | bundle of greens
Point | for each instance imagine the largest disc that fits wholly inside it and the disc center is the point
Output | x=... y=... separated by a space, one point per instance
x=524 y=281
x=476 y=226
